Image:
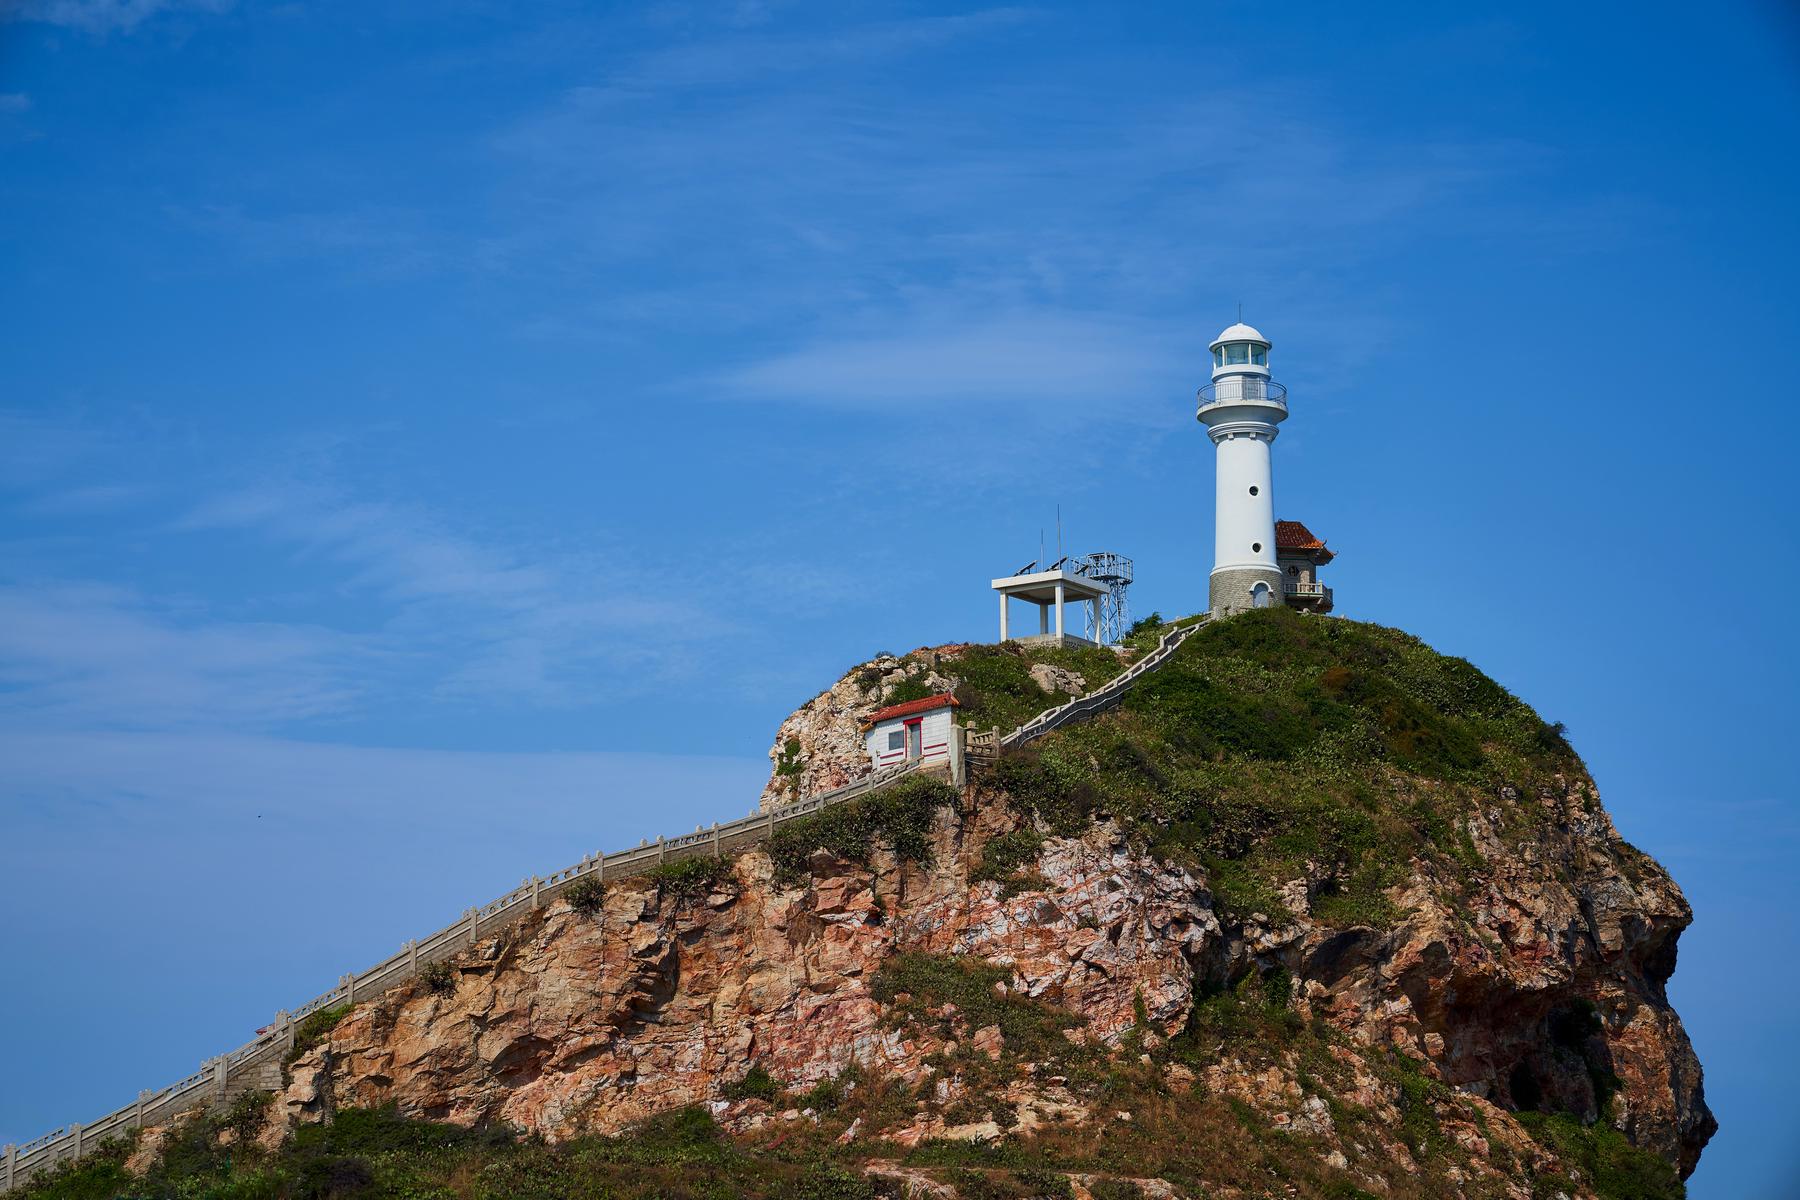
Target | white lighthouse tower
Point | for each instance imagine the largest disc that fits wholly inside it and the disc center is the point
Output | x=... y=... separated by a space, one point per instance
x=1241 y=408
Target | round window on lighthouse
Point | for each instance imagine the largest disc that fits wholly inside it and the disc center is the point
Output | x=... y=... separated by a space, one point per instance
x=1253 y=489
x=1256 y=547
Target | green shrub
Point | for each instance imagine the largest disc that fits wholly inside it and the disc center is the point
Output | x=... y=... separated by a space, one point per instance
x=1039 y=1182
x=899 y=817
x=1004 y=857
x=823 y=1096
x=1610 y=1165
x=586 y=895
x=789 y=764
x=438 y=978
x=688 y=879
x=825 y=1181
x=995 y=687
x=909 y=689
x=756 y=1084
x=1149 y=624
x=98 y=1175
x=247 y=1115
x=1031 y=1029
x=314 y=1029
x=1115 y=1189
x=369 y=1132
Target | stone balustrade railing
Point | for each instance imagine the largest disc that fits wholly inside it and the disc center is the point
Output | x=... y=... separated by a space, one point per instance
x=218 y=1079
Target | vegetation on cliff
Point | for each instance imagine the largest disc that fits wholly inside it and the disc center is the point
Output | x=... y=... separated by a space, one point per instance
x=1280 y=770
x=1277 y=746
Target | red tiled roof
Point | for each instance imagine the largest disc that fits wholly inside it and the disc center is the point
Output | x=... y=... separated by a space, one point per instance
x=911 y=707
x=1292 y=535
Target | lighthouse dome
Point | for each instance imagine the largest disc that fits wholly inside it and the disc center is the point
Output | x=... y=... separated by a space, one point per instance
x=1239 y=333
x=1240 y=350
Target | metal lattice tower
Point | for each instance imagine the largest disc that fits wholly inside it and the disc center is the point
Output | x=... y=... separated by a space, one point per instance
x=1114 y=572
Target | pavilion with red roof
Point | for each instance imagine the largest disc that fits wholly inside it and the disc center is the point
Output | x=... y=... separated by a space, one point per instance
x=1299 y=553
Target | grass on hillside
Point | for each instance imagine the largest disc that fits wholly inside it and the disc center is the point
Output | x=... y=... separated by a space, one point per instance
x=1274 y=740
x=995 y=688
x=1141 y=1124
x=376 y=1155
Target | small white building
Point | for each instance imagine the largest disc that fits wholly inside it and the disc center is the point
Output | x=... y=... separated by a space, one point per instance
x=917 y=729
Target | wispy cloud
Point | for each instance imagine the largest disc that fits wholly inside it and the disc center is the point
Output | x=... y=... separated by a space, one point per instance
x=735 y=59
x=86 y=499
x=91 y=656
x=119 y=770
x=383 y=243
x=508 y=620
x=12 y=103
x=101 y=16
x=1038 y=358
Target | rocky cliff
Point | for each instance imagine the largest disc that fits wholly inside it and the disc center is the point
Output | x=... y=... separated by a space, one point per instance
x=1317 y=913
x=820 y=746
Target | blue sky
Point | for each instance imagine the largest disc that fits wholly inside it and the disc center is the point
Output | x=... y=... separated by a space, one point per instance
x=438 y=440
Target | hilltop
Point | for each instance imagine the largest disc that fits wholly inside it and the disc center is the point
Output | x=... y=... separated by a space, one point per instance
x=1315 y=912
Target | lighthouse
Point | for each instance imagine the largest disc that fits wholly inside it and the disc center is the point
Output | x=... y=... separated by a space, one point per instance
x=1241 y=408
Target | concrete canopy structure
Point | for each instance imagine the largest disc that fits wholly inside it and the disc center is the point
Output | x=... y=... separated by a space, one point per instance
x=1050 y=590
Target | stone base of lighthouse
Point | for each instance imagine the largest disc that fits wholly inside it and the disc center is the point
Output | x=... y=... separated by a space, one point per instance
x=1234 y=589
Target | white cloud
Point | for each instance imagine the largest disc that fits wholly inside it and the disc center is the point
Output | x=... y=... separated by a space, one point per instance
x=155 y=775
x=509 y=620
x=14 y=102
x=1035 y=359
x=102 y=16
x=84 y=655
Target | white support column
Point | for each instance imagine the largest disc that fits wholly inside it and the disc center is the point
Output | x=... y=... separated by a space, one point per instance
x=12 y=1164
x=1059 y=611
x=1005 y=634
x=1043 y=618
x=75 y=1137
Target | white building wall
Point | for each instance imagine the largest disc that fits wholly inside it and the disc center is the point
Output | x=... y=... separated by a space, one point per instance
x=934 y=739
x=1243 y=521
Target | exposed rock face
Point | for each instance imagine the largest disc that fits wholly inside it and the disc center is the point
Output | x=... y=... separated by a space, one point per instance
x=573 y=1023
x=570 y=1023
